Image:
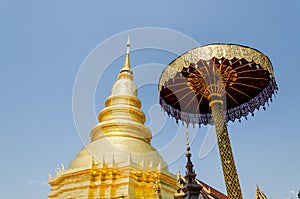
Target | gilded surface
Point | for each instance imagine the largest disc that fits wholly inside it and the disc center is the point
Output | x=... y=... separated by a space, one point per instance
x=243 y=75
x=113 y=180
x=227 y=51
x=229 y=171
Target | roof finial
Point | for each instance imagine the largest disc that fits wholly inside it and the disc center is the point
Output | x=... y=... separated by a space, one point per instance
x=190 y=174
x=126 y=70
x=191 y=187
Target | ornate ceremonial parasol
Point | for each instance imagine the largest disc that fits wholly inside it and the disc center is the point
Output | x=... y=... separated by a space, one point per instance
x=216 y=83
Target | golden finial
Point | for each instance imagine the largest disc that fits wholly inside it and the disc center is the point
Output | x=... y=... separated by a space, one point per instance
x=93 y=162
x=127 y=60
x=126 y=70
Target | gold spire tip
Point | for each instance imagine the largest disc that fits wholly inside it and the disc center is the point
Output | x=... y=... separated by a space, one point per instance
x=126 y=70
x=127 y=59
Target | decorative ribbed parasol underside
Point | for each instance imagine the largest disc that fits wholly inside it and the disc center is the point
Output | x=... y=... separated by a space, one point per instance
x=241 y=76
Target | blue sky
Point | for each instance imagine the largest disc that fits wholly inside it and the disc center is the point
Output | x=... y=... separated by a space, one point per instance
x=43 y=44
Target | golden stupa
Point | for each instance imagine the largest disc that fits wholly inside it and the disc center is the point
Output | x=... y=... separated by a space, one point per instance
x=119 y=162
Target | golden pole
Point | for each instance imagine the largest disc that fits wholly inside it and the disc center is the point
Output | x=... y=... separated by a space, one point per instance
x=229 y=170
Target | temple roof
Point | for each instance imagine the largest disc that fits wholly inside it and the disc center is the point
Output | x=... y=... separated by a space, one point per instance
x=191 y=187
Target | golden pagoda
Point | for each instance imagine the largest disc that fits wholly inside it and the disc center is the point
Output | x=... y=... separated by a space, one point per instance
x=119 y=162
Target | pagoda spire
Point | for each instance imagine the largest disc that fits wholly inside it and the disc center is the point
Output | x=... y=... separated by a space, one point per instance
x=126 y=71
x=122 y=115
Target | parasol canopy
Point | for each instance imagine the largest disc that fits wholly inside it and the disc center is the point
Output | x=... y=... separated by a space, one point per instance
x=240 y=76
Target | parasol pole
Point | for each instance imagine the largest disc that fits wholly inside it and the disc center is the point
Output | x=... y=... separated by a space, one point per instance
x=229 y=170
